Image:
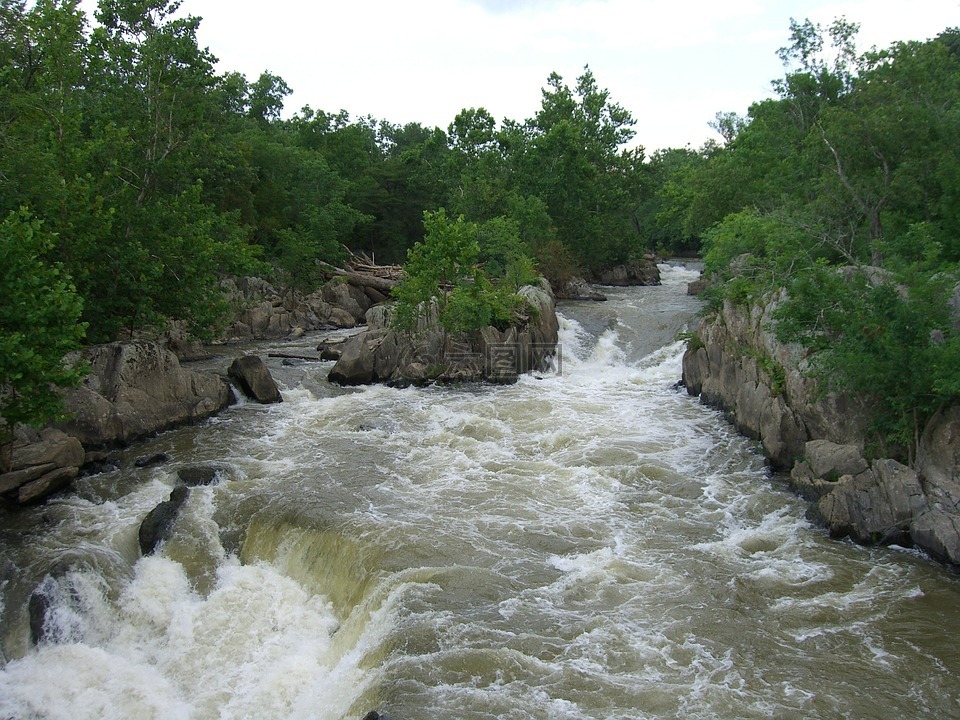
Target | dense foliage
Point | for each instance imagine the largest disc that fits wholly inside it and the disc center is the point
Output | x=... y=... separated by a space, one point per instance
x=154 y=177
x=468 y=273
x=843 y=190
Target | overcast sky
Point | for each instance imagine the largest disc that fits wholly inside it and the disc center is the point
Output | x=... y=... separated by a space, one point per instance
x=673 y=63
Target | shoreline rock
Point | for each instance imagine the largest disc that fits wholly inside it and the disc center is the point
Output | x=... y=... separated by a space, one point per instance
x=735 y=364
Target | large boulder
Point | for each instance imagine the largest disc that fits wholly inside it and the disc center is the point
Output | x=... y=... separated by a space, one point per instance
x=135 y=390
x=877 y=506
x=635 y=272
x=254 y=379
x=579 y=289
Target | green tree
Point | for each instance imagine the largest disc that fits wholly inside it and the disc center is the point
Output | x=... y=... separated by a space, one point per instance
x=469 y=286
x=39 y=324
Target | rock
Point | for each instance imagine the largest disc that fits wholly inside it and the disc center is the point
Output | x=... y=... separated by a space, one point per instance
x=198 y=475
x=254 y=379
x=54 y=607
x=636 y=272
x=697 y=287
x=48 y=484
x=580 y=289
x=41 y=464
x=150 y=460
x=830 y=461
x=157 y=526
x=12 y=480
x=135 y=390
x=347 y=297
x=355 y=366
x=876 y=506
x=807 y=485
x=938 y=532
x=384 y=355
x=55 y=447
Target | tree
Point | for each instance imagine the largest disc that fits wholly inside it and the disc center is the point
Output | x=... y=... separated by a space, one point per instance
x=39 y=324
x=572 y=157
x=470 y=287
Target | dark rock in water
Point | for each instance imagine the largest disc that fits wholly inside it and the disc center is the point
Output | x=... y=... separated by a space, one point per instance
x=198 y=475
x=157 y=526
x=54 y=591
x=330 y=353
x=39 y=607
x=580 y=289
x=254 y=379
x=97 y=467
x=148 y=460
x=375 y=715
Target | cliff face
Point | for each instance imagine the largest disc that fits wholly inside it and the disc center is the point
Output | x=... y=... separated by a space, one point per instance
x=735 y=363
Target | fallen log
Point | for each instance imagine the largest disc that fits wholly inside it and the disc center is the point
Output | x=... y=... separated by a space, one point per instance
x=362 y=280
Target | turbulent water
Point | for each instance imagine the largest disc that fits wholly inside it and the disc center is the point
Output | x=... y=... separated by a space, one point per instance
x=587 y=543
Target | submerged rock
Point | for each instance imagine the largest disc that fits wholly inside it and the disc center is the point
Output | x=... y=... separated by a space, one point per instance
x=157 y=526
x=198 y=475
x=151 y=460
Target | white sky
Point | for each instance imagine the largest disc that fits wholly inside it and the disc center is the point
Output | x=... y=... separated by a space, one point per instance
x=673 y=63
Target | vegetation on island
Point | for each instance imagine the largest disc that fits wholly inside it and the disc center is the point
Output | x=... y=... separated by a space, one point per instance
x=134 y=178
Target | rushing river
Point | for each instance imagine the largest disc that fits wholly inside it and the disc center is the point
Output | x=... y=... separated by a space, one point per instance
x=587 y=543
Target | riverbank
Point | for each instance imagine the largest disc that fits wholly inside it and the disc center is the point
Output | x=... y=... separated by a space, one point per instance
x=734 y=363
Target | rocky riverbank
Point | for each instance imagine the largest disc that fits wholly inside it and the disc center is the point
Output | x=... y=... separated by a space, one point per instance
x=734 y=362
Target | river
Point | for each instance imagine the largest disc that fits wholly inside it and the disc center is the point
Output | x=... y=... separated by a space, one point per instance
x=587 y=543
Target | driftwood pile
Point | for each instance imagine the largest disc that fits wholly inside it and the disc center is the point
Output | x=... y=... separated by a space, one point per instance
x=362 y=271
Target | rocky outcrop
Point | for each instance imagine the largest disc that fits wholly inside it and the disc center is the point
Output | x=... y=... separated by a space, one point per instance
x=635 y=272
x=254 y=379
x=428 y=353
x=135 y=390
x=262 y=311
x=735 y=363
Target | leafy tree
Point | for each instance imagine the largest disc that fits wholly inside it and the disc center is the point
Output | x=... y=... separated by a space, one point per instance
x=575 y=162
x=39 y=324
x=447 y=271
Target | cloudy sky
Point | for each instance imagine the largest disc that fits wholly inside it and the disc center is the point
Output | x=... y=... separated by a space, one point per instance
x=673 y=63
